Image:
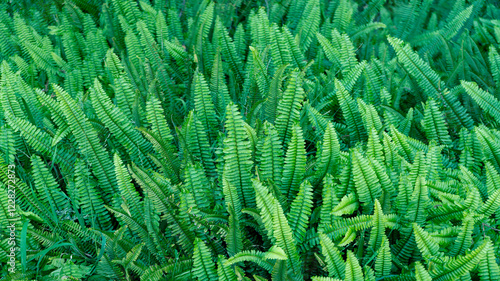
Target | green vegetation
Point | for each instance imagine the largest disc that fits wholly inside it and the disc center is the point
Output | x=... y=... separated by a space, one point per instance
x=250 y=140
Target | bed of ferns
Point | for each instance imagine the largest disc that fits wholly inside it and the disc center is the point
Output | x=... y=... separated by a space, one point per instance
x=250 y=140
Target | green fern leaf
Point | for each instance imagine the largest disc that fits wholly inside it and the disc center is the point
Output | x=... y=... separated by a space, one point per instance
x=464 y=239
x=90 y=201
x=353 y=270
x=488 y=267
x=225 y=273
x=271 y=157
x=351 y=114
x=347 y=205
x=434 y=124
x=426 y=77
x=461 y=265
x=300 y=211
x=335 y=264
x=330 y=152
x=486 y=101
x=88 y=142
x=289 y=108
x=197 y=183
x=49 y=193
x=383 y=263
x=377 y=232
x=237 y=155
x=420 y=273
x=295 y=165
x=120 y=126
x=367 y=184
x=203 y=265
x=419 y=203
x=425 y=243
x=203 y=106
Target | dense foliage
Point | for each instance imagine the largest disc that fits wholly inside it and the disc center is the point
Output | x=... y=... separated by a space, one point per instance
x=250 y=140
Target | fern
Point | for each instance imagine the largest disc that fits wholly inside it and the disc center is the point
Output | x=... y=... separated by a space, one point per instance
x=295 y=165
x=118 y=124
x=330 y=153
x=262 y=140
x=427 y=78
x=383 y=262
x=237 y=156
x=284 y=239
x=203 y=105
x=334 y=261
x=300 y=210
x=460 y=265
x=488 y=102
x=434 y=124
x=88 y=142
x=351 y=113
x=204 y=267
x=367 y=184
x=352 y=268
x=289 y=107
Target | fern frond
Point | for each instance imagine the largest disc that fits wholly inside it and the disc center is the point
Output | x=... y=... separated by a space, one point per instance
x=88 y=142
x=42 y=142
x=330 y=153
x=494 y=60
x=464 y=239
x=197 y=183
x=351 y=113
x=434 y=124
x=420 y=273
x=271 y=157
x=218 y=85
x=204 y=107
x=461 y=265
x=321 y=278
x=343 y=15
x=488 y=267
x=284 y=239
x=335 y=264
x=120 y=126
x=426 y=77
x=377 y=232
x=273 y=97
x=260 y=258
x=237 y=155
x=329 y=200
x=419 y=203
x=280 y=51
x=203 y=265
x=289 y=108
x=367 y=184
x=347 y=205
x=489 y=145
x=295 y=165
x=229 y=50
x=225 y=273
x=265 y=203
x=300 y=211
x=308 y=25
x=49 y=193
x=383 y=263
x=486 y=101
x=127 y=190
x=353 y=270
x=90 y=201
x=427 y=245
